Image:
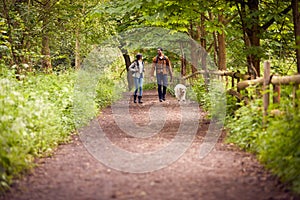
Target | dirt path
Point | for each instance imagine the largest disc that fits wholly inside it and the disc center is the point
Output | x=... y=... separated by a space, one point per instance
x=73 y=173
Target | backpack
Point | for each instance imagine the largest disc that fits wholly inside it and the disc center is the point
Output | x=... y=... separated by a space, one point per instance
x=164 y=58
x=137 y=64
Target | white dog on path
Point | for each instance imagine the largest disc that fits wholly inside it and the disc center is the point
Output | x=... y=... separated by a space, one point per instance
x=180 y=92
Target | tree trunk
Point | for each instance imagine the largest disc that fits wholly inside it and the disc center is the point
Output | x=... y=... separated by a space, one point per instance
x=77 y=50
x=204 y=54
x=222 y=47
x=251 y=31
x=295 y=7
x=194 y=52
x=202 y=32
x=129 y=77
x=46 y=60
x=215 y=39
x=216 y=48
x=252 y=34
x=253 y=60
x=183 y=61
x=6 y=15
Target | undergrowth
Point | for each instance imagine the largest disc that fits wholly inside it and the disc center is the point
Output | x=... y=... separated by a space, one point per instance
x=276 y=142
x=36 y=114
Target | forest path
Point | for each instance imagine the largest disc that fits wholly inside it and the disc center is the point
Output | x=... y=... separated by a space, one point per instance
x=72 y=173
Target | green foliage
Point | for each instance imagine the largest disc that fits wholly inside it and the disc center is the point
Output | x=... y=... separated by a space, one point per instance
x=277 y=144
x=232 y=105
x=201 y=91
x=246 y=126
x=24 y=24
x=150 y=86
x=106 y=93
x=211 y=97
x=37 y=115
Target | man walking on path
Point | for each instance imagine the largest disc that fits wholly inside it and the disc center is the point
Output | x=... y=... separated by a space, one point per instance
x=162 y=66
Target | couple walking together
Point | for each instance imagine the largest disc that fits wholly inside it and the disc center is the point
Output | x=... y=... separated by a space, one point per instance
x=161 y=65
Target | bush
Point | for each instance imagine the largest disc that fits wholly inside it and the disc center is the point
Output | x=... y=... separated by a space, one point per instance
x=245 y=126
x=277 y=145
x=36 y=115
x=105 y=92
x=150 y=86
x=35 y=118
x=201 y=94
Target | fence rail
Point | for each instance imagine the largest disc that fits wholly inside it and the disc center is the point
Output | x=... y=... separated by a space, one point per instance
x=265 y=81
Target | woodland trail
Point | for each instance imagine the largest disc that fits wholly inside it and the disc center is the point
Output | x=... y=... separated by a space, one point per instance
x=72 y=173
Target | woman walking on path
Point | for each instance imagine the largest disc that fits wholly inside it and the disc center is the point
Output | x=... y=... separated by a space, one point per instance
x=138 y=69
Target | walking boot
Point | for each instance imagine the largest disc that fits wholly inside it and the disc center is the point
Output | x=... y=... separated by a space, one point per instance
x=134 y=98
x=140 y=99
x=164 y=93
x=160 y=94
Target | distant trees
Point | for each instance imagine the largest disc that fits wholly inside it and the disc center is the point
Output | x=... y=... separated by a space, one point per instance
x=236 y=33
x=263 y=26
x=296 y=17
x=47 y=33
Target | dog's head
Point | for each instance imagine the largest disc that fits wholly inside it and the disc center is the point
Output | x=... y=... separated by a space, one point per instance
x=182 y=91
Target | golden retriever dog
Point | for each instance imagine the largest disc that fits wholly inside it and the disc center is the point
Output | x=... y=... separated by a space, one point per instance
x=180 y=92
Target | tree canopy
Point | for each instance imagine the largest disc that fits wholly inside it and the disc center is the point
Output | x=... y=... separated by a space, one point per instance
x=237 y=34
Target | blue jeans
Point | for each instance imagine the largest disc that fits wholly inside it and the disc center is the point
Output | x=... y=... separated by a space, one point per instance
x=138 y=82
x=162 y=79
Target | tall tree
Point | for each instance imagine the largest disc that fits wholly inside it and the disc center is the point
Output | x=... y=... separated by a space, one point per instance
x=46 y=59
x=221 y=45
x=296 y=17
x=253 y=27
x=250 y=25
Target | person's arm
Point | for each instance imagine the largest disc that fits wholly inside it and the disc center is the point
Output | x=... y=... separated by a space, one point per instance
x=132 y=67
x=143 y=66
x=153 y=67
x=170 y=69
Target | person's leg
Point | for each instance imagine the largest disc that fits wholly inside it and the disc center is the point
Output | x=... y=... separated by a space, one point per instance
x=141 y=82
x=159 y=86
x=159 y=90
x=141 y=90
x=164 y=93
x=136 y=84
x=165 y=84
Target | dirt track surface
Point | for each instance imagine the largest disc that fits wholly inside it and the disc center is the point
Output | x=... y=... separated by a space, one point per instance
x=73 y=173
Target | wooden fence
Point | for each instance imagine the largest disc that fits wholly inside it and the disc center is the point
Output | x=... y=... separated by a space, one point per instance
x=240 y=82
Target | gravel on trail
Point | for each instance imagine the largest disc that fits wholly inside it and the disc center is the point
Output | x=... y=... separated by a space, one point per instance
x=73 y=173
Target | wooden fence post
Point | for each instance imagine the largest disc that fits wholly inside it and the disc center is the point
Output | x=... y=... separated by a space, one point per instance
x=266 y=94
x=276 y=93
x=295 y=88
x=238 y=80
